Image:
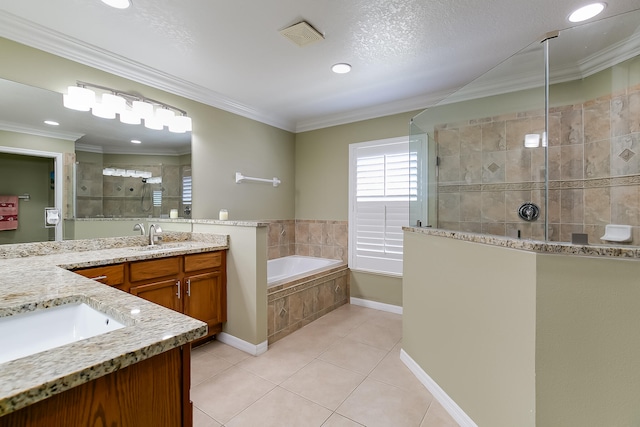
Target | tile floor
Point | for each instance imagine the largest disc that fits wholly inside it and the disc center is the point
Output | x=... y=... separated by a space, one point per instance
x=342 y=370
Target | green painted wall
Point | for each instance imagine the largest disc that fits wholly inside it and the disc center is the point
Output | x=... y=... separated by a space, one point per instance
x=27 y=175
x=222 y=143
x=322 y=186
x=469 y=322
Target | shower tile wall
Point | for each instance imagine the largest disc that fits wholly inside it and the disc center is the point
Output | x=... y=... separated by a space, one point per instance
x=318 y=238
x=116 y=197
x=485 y=172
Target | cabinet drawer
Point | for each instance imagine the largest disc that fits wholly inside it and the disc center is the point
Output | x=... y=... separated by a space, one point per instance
x=144 y=270
x=111 y=275
x=202 y=261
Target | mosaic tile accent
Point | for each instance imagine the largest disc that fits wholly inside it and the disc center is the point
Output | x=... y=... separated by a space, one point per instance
x=627 y=154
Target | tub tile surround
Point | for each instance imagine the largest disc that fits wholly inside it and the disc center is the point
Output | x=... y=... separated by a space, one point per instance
x=295 y=304
x=594 y=170
x=317 y=238
x=32 y=278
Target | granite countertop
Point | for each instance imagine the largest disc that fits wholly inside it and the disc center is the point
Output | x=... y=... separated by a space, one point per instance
x=233 y=222
x=36 y=275
x=620 y=251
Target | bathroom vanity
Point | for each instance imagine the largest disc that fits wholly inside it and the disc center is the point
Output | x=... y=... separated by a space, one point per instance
x=192 y=284
x=136 y=375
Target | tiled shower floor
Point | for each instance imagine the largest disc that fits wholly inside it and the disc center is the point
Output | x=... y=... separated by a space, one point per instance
x=343 y=369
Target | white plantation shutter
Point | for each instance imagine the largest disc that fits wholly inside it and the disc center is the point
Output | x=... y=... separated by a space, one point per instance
x=186 y=190
x=382 y=181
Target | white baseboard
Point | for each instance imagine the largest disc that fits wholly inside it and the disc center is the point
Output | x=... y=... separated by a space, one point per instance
x=247 y=347
x=438 y=393
x=397 y=309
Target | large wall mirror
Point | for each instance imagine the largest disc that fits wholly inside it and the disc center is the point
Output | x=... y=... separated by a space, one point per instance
x=157 y=170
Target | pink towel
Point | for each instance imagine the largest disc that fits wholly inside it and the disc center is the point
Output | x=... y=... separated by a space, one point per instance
x=8 y=213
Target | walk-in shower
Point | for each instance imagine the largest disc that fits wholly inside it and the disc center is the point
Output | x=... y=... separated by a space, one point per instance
x=545 y=146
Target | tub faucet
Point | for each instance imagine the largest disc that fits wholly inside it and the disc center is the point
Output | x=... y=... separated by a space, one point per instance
x=153 y=230
x=139 y=226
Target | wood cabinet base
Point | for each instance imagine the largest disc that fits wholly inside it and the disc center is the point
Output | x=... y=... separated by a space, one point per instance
x=153 y=393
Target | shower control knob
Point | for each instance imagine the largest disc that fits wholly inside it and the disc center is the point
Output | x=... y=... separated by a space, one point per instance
x=529 y=211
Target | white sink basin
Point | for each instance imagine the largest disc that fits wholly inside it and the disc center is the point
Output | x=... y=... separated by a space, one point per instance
x=29 y=333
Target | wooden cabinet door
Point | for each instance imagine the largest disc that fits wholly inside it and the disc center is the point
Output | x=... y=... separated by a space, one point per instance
x=205 y=298
x=166 y=293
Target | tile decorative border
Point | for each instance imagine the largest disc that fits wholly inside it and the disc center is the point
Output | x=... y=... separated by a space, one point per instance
x=553 y=185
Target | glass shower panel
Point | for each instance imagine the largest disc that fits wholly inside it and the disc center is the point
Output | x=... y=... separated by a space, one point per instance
x=475 y=171
x=594 y=135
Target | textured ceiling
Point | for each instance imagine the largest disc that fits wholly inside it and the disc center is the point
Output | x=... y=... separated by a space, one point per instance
x=229 y=54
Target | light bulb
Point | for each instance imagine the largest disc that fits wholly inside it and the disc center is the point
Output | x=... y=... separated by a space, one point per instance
x=79 y=98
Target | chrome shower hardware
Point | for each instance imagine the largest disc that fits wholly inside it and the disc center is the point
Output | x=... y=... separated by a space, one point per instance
x=529 y=211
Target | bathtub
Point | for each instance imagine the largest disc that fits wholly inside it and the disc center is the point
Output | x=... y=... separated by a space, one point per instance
x=289 y=268
x=301 y=289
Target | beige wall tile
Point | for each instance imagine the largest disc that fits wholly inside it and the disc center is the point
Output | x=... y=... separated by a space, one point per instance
x=620 y=116
x=449 y=207
x=518 y=165
x=597 y=205
x=494 y=136
x=493 y=207
x=634 y=111
x=448 y=142
x=470 y=139
x=625 y=206
x=597 y=123
x=571 y=206
x=449 y=169
x=571 y=131
x=471 y=206
x=572 y=164
x=597 y=159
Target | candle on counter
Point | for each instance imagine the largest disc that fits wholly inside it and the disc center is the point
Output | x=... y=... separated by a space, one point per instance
x=223 y=215
x=173 y=213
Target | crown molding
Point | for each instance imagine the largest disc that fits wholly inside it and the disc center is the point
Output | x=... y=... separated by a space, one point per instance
x=39 y=37
x=18 y=128
x=123 y=150
x=387 y=109
x=31 y=34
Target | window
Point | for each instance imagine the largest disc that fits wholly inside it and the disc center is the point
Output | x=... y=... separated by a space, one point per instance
x=157 y=198
x=382 y=180
x=186 y=190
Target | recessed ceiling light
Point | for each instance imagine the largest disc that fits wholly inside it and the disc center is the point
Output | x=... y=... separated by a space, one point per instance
x=51 y=123
x=136 y=141
x=341 y=68
x=586 y=12
x=118 y=4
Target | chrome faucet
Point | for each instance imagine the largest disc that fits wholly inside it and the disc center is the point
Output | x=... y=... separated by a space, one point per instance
x=139 y=226
x=153 y=230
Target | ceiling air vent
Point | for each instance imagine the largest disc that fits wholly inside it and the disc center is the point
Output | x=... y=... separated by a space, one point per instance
x=302 y=34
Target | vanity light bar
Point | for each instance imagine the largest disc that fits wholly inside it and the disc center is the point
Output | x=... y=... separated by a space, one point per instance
x=130 y=108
